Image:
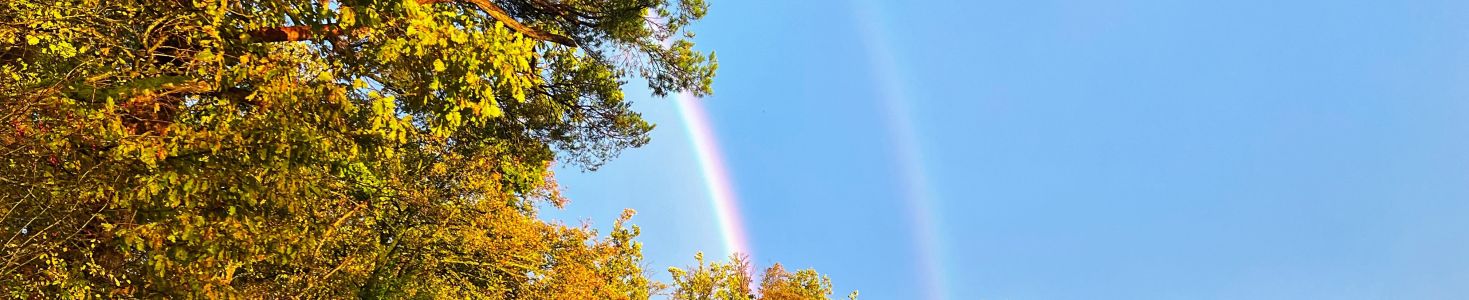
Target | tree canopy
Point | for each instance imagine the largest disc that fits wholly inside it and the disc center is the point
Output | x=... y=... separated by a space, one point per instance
x=732 y=281
x=323 y=149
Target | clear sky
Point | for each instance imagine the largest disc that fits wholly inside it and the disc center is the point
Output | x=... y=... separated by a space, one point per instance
x=1044 y=149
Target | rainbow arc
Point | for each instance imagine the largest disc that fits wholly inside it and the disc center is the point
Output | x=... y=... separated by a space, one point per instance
x=716 y=174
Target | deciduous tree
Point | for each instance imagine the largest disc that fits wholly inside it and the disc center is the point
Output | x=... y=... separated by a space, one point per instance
x=321 y=149
x=732 y=281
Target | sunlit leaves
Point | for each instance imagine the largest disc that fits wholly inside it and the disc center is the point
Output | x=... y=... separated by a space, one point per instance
x=732 y=280
x=392 y=148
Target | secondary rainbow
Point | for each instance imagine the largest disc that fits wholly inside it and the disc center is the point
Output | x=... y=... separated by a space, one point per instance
x=716 y=175
x=922 y=207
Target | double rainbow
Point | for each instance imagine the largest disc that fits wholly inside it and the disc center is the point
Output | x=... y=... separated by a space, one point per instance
x=909 y=154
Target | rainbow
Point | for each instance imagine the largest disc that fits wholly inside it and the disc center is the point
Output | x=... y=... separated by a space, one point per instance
x=922 y=209
x=917 y=193
x=716 y=175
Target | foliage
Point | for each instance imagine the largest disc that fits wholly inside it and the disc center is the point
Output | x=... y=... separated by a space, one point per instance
x=731 y=281
x=330 y=149
x=715 y=281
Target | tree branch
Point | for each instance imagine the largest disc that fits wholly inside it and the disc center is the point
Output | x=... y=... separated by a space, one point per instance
x=305 y=32
x=495 y=11
x=292 y=33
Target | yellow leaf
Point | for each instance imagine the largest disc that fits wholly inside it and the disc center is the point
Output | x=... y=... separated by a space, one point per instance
x=348 y=17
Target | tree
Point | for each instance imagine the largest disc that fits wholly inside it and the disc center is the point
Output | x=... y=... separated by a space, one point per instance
x=731 y=281
x=715 y=281
x=321 y=149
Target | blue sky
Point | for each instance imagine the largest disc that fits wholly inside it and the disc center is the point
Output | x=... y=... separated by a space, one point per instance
x=1076 y=149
